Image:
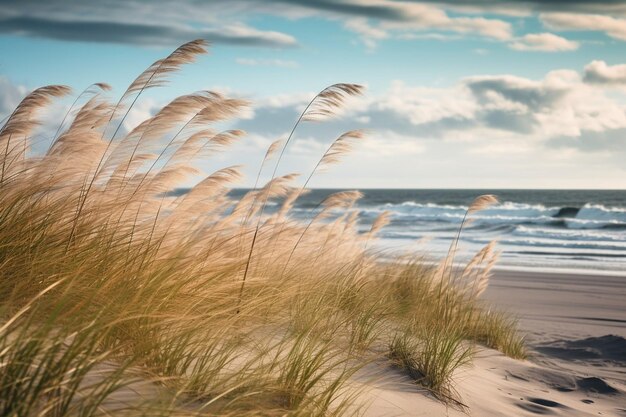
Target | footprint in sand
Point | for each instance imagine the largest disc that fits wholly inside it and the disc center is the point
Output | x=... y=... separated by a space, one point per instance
x=540 y=406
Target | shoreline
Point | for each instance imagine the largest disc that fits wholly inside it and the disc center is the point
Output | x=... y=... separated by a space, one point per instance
x=556 y=270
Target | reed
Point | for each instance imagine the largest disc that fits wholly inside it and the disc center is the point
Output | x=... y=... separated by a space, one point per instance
x=118 y=297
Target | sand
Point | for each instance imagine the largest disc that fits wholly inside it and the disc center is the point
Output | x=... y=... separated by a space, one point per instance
x=576 y=330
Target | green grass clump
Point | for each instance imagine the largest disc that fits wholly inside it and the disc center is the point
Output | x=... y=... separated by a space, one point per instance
x=498 y=330
x=431 y=359
x=119 y=297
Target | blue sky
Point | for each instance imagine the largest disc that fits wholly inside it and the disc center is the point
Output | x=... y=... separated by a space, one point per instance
x=461 y=94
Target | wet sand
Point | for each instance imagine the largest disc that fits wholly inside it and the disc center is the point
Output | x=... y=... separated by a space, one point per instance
x=560 y=305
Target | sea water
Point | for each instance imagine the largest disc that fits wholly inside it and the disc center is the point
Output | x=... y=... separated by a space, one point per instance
x=581 y=230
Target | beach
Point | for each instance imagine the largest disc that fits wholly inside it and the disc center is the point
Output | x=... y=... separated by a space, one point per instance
x=194 y=252
x=576 y=328
x=553 y=306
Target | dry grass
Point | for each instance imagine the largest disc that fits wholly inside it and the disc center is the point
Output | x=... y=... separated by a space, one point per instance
x=117 y=297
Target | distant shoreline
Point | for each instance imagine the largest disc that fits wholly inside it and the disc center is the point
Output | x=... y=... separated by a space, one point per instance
x=482 y=190
x=542 y=270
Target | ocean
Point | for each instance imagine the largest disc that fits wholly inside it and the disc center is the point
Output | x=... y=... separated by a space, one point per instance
x=582 y=230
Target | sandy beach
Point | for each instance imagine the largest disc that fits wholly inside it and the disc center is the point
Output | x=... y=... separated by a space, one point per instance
x=554 y=306
x=576 y=329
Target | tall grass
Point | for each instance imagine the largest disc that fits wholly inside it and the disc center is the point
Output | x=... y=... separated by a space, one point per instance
x=116 y=296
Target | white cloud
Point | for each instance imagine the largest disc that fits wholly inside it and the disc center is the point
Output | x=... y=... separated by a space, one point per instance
x=489 y=107
x=239 y=33
x=374 y=19
x=559 y=105
x=307 y=146
x=424 y=104
x=418 y=18
x=598 y=72
x=429 y=36
x=428 y=17
x=361 y=26
x=252 y=62
x=390 y=143
x=544 y=42
x=612 y=26
x=492 y=28
x=296 y=100
x=369 y=34
x=258 y=142
x=10 y=96
x=498 y=130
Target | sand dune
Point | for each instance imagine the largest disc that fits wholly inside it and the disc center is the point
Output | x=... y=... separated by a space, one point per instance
x=576 y=326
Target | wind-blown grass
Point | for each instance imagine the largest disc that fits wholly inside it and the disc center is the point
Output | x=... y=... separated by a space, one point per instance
x=118 y=297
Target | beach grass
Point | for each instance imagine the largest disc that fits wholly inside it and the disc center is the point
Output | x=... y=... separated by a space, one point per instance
x=119 y=297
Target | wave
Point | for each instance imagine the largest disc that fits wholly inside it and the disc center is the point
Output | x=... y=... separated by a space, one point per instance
x=555 y=243
x=411 y=207
x=572 y=255
x=598 y=212
x=602 y=208
x=588 y=216
x=568 y=234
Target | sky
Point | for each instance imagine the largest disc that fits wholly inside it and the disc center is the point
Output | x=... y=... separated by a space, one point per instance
x=460 y=93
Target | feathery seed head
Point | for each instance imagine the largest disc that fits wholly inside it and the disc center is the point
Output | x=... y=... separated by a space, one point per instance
x=271 y=150
x=381 y=221
x=331 y=99
x=482 y=202
x=342 y=199
x=340 y=147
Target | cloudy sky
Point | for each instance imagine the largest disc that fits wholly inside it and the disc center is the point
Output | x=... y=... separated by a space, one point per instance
x=460 y=94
